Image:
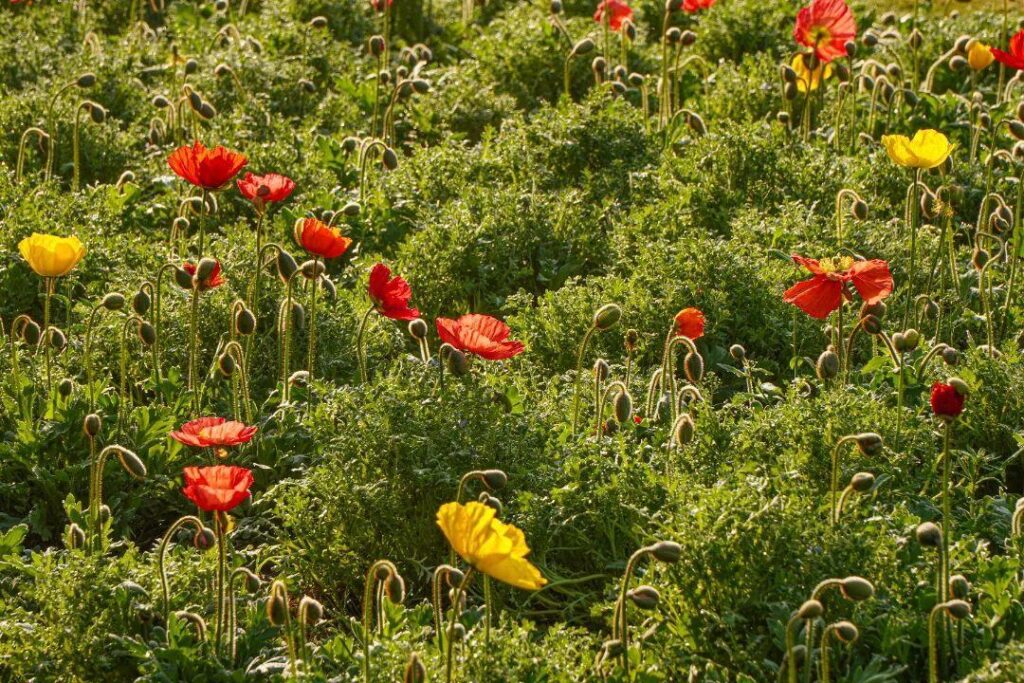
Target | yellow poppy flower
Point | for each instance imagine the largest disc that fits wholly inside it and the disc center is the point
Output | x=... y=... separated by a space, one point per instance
x=806 y=79
x=489 y=545
x=928 y=149
x=51 y=256
x=979 y=55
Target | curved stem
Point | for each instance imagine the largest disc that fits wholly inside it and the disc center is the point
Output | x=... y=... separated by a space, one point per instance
x=576 y=379
x=449 y=666
x=161 y=557
x=364 y=374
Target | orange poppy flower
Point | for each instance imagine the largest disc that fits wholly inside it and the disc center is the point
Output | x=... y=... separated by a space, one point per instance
x=825 y=26
x=690 y=323
x=266 y=189
x=482 y=335
x=619 y=12
x=322 y=240
x=213 y=432
x=210 y=169
x=390 y=295
x=218 y=488
x=212 y=282
x=691 y=6
x=1015 y=57
x=825 y=292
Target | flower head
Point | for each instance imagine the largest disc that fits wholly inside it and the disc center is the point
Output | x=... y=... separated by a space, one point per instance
x=946 y=401
x=808 y=79
x=266 y=189
x=489 y=545
x=321 y=240
x=214 y=280
x=618 y=12
x=928 y=149
x=390 y=295
x=219 y=488
x=1015 y=57
x=825 y=291
x=691 y=6
x=210 y=169
x=51 y=256
x=979 y=55
x=690 y=323
x=213 y=432
x=482 y=335
x=825 y=26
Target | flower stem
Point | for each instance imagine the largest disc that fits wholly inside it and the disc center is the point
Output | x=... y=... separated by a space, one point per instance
x=311 y=346
x=45 y=338
x=576 y=379
x=364 y=374
x=449 y=668
x=161 y=557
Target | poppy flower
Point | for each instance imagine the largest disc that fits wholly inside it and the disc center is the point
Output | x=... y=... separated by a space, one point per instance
x=690 y=323
x=824 y=292
x=378 y=5
x=979 y=55
x=321 y=240
x=212 y=282
x=691 y=6
x=1015 y=57
x=808 y=79
x=482 y=335
x=618 y=11
x=825 y=26
x=390 y=295
x=489 y=545
x=51 y=256
x=213 y=432
x=210 y=169
x=218 y=488
x=927 y=149
x=266 y=189
x=946 y=401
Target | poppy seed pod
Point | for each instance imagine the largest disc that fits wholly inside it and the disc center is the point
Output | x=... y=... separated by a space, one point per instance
x=623 y=407
x=457 y=362
x=76 y=537
x=811 y=609
x=245 y=322
x=91 y=425
x=147 y=333
x=555 y=7
x=929 y=535
x=644 y=597
x=30 y=333
x=601 y=369
x=277 y=607
x=57 y=340
x=389 y=159
x=958 y=609
x=286 y=265
x=65 y=387
x=845 y=631
x=859 y=210
x=862 y=482
x=113 y=301
x=856 y=588
x=827 y=366
x=666 y=551
x=693 y=367
x=204 y=539
x=310 y=611
x=950 y=356
x=607 y=317
x=869 y=443
x=683 y=430
x=131 y=463
x=226 y=364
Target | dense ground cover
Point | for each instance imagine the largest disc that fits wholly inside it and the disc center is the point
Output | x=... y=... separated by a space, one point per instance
x=691 y=157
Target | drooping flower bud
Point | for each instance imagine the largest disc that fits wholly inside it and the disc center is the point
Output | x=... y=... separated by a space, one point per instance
x=601 y=370
x=862 y=482
x=277 y=605
x=856 y=588
x=958 y=609
x=929 y=535
x=389 y=159
x=418 y=328
x=911 y=339
x=114 y=301
x=491 y=502
x=286 y=265
x=141 y=303
x=827 y=366
x=65 y=387
x=811 y=609
x=245 y=322
x=494 y=480
x=693 y=367
x=950 y=356
x=131 y=463
x=458 y=364
x=204 y=539
x=57 y=340
x=623 y=407
x=226 y=364
x=607 y=317
x=871 y=324
x=415 y=671
x=394 y=587
x=667 y=551
x=644 y=597
x=310 y=611
x=30 y=333
x=846 y=631
x=869 y=443
x=75 y=537
x=683 y=430
x=313 y=269
x=147 y=333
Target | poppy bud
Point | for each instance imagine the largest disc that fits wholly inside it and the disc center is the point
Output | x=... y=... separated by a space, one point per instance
x=871 y=324
x=206 y=111
x=899 y=343
x=195 y=100
x=911 y=338
x=601 y=369
x=664 y=405
x=644 y=597
x=862 y=482
x=856 y=588
x=788 y=73
x=629 y=28
x=245 y=322
x=131 y=463
x=277 y=606
x=104 y=513
x=286 y=265
x=182 y=278
x=783 y=117
x=683 y=430
x=630 y=339
x=147 y=333
x=221 y=5
x=851 y=48
x=623 y=407
x=555 y=7
x=313 y=269
x=697 y=124
x=959 y=586
x=141 y=303
x=204 y=539
x=959 y=385
x=950 y=355
x=458 y=364
x=389 y=159
x=979 y=258
x=226 y=364
x=495 y=480
x=205 y=269
x=298 y=315
x=667 y=551
x=415 y=671
x=842 y=72
x=916 y=39
x=693 y=366
x=985 y=120
x=636 y=80
x=859 y=210
x=811 y=609
x=65 y=387
x=310 y=611
x=418 y=328
x=457 y=632
x=395 y=588
x=252 y=582
x=376 y=45
x=611 y=426
x=57 y=340
x=845 y=631
x=318 y=22
x=673 y=5
x=30 y=333
x=931 y=309
x=870 y=39
x=491 y=502
x=958 y=609
x=929 y=535
x=607 y=317
x=91 y=425
x=619 y=72
x=597 y=65
x=191 y=66
x=86 y=80
x=789 y=93
x=113 y=301
x=76 y=537
x=869 y=443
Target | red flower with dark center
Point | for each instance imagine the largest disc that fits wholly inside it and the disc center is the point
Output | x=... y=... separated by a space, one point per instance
x=321 y=240
x=690 y=323
x=946 y=401
x=213 y=432
x=691 y=6
x=618 y=10
x=219 y=488
x=1015 y=57
x=482 y=335
x=266 y=189
x=215 y=280
x=825 y=26
x=390 y=295
x=824 y=292
x=210 y=169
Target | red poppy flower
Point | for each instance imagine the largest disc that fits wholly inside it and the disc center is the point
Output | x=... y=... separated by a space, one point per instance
x=218 y=488
x=619 y=12
x=825 y=26
x=946 y=400
x=482 y=335
x=690 y=323
x=378 y=5
x=210 y=169
x=824 y=292
x=691 y=6
x=215 y=280
x=322 y=240
x=1015 y=57
x=390 y=295
x=266 y=189
x=212 y=432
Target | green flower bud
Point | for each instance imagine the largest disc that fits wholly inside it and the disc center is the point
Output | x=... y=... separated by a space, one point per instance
x=693 y=367
x=495 y=480
x=113 y=301
x=811 y=609
x=958 y=609
x=310 y=611
x=286 y=265
x=623 y=407
x=415 y=671
x=131 y=463
x=738 y=353
x=147 y=333
x=667 y=551
x=869 y=443
x=683 y=430
x=857 y=589
x=75 y=537
x=418 y=328
x=204 y=539
x=827 y=366
x=245 y=322
x=86 y=80
x=959 y=586
x=929 y=535
x=389 y=159
x=141 y=303
x=65 y=387
x=845 y=631
x=644 y=597
x=226 y=364
x=607 y=317
x=862 y=482
x=960 y=386
x=91 y=425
